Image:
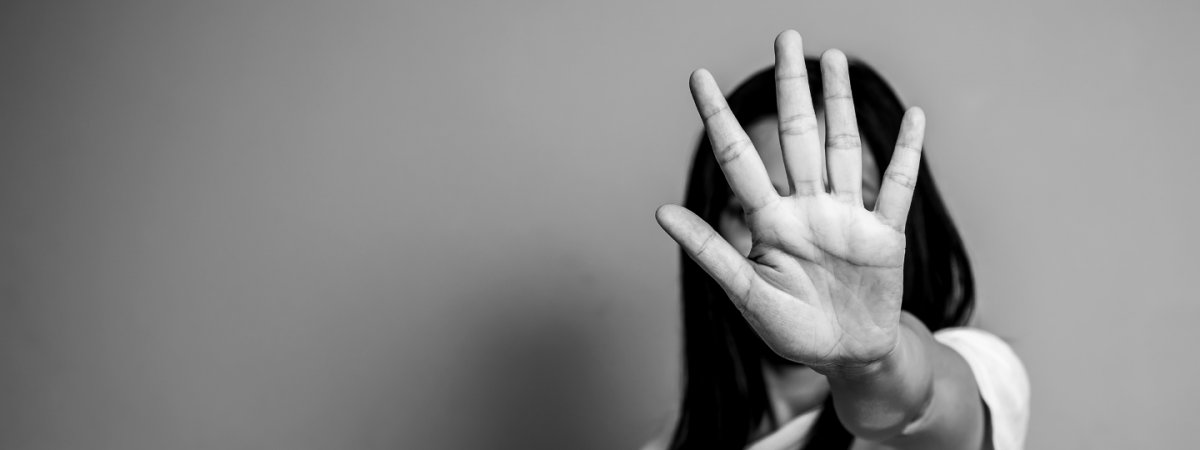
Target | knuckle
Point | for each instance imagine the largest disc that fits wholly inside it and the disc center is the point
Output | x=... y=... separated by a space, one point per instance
x=733 y=151
x=843 y=141
x=798 y=124
x=753 y=207
x=716 y=112
x=902 y=179
x=802 y=76
x=808 y=187
x=703 y=248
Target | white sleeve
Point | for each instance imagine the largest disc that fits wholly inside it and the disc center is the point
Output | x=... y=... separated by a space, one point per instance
x=1001 y=379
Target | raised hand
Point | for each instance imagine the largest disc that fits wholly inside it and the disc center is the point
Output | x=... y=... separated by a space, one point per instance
x=823 y=282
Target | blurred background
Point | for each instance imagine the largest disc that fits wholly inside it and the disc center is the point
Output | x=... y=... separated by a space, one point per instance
x=383 y=225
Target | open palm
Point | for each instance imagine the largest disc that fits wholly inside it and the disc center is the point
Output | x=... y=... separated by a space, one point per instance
x=823 y=282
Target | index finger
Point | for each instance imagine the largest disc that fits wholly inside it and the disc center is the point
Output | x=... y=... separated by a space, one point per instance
x=734 y=152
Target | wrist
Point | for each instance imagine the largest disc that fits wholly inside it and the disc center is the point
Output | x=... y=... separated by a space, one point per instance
x=878 y=400
x=884 y=367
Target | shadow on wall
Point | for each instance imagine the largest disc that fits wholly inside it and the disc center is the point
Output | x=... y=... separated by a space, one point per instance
x=537 y=371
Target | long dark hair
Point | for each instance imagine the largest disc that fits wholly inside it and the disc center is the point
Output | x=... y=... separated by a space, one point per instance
x=725 y=396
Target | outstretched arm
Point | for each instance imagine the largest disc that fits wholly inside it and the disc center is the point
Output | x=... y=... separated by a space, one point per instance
x=921 y=396
x=823 y=282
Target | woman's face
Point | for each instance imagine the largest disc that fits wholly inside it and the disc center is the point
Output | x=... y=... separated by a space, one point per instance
x=764 y=133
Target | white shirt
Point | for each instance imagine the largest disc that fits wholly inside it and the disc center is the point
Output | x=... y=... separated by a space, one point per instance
x=999 y=374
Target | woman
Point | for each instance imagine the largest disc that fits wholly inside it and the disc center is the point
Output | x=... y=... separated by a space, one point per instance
x=820 y=294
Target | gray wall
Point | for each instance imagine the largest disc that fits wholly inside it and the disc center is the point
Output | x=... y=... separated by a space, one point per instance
x=379 y=225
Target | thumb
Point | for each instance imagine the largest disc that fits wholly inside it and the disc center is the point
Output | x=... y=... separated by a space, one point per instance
x=711 y=251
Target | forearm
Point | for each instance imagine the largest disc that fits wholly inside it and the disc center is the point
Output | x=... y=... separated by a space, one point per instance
x=922 y=395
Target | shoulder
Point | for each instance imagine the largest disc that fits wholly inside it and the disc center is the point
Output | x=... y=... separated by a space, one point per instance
x=991 y=359
x=1001 y=378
